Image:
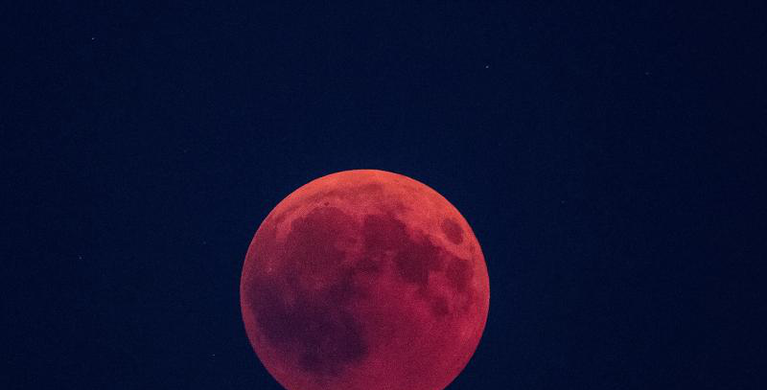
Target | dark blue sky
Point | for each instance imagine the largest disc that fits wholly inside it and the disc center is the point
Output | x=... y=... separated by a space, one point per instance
x=606 y=155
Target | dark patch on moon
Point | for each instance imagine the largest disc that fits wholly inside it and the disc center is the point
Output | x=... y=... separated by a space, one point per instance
x=323 y=338
x=312 y=326
x=416 y=260
x=415 y=257
x=452 y=231
x=439 y=307
x=459 y=273
x=382 y=233
x=311 y=240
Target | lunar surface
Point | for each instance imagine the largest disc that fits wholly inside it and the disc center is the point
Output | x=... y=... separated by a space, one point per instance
x=364 y=280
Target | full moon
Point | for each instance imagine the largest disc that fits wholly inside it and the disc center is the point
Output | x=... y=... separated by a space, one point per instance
x=364 y=280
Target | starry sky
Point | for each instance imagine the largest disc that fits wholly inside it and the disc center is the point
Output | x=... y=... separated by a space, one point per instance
x=606 y=155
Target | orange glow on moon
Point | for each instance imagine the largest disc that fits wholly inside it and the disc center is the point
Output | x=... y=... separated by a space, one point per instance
x=364 y=280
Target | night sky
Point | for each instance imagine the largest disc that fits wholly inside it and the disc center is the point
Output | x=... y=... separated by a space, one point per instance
x=607 y=156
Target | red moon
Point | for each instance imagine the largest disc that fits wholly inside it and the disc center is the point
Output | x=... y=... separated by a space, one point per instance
x=364 y=280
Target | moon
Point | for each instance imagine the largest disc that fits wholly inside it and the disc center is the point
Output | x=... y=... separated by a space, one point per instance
x=364 y=280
